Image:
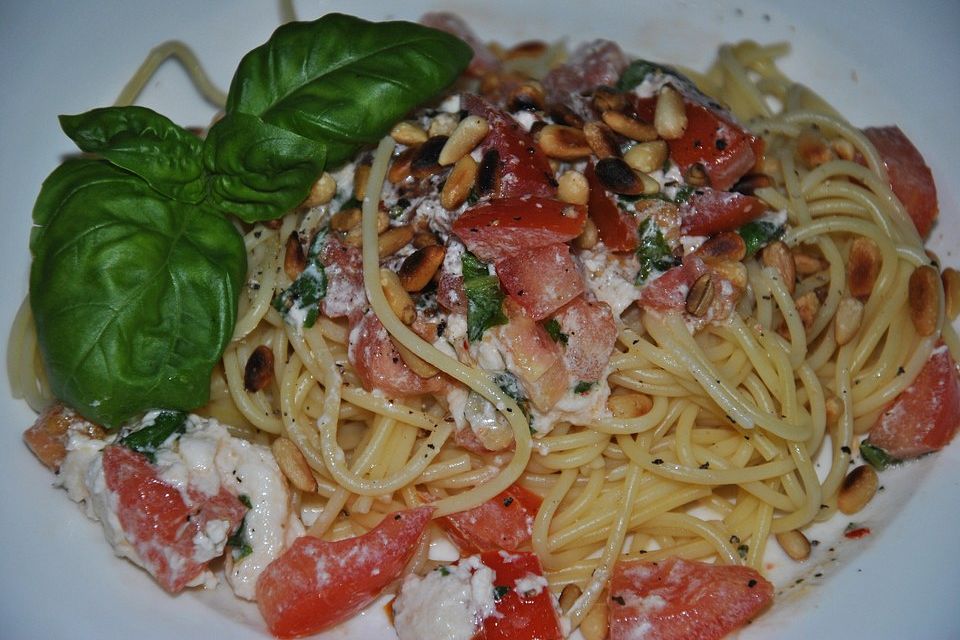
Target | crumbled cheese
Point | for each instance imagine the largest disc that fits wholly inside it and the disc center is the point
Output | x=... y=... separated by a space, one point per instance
x=609 y=277
x=530 y=585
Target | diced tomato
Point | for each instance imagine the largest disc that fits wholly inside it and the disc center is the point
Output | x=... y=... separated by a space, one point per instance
x=910 y=177
x=379 y=365
x=537 y=359
x=450 y=292
x=523 y=168
x=47 y=437
x=591 y=334
x=523 y=615
x=926 y=415
x=496 y=229
x=708 y=212
x=712 y=139
x=158 y=522
x=616 y=227
x=316 y=584
x=668 y=293
x=679 y=599
x=503 y=522
x=343 y=266
x=542 y=280
x=592 y=64
x=484 y=60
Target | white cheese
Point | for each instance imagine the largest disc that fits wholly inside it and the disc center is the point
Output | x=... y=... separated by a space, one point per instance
x=609 y=277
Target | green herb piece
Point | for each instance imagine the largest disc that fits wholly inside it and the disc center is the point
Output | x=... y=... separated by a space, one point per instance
x=553 y=330
x=245 y=500
x=302 y=298
x=484 y=297
x=240 y=548
x=683 y=193
x=637 y=71
x=350 y=203
x=499 y=591
x=150 y=438
x=875 y=456
x=652 y=251
x=759 y=233
x=583 y=387
x=443 y=570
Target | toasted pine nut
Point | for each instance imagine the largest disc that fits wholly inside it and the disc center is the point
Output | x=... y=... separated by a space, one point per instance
x=629 y=405
x=812 y=148
x=608 y=99
x=399 y=299
x=354 y=237
x=808 y=305
x=728 y=245
x=700 y=296
x=846 y=322
x=923 y=299
x=293 y=465
x=464 y=138
x=528 y=96
x=443 y=124
x=568 y=596
x=807 y=264
x=629 y=127
x=321 y=192
x=844 y=148
x=258 y=372
x=951 y=292
x=857 y=489
x=526 y=49
x=417 y=364
x=794 y=544
x=294 y=260
x=408 y=133
x=778 y=256
x=345 y=219
x=360 y=175
x=617 y=176
x=589 y=237
x=730 y=270
x=696 y=176
x=563 y=142
x=394 y=239
x=647 y=156
x=420 y=266
x=594 y=624
x=863 y=266
x=423 y=239
x=383 y=221
x=425 y=159
x=601 y=140
x=670 y=114
x=573 y=187
x=457 y=188
x=400 y=169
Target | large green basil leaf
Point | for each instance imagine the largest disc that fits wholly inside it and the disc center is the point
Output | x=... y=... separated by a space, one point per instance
x=344 y=81
x=259 y=171
x=145 y=143
x=134 y=294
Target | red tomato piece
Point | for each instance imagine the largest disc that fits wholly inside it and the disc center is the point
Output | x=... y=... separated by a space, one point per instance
x=542 y=280
x=592 y=64
x=925 y=416
x=496 y=229
x=343 y=266
x=679 y=599
x=379 y=365
x=616 y=227
x=712 y=139
x=535 y=357
x=591 y=333
x=47 y=437
x=484 y=60
x=158 y=522
x=523 y=168
x=524 y=615
x=910 y=177
x=503 y=522
x=708 y=212
x=317 y=584
x=668 y=293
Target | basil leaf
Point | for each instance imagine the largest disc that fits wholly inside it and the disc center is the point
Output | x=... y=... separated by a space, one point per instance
x=484 y=297
x=472 y=267
x=259 y=171
x=637 y=71
x=145 y=143
x=652 y=251
x=759 y=233
x=150 y=438
x=301 y=300
x=552 y=327
x=583 y=387
x=875 y=456
x=134 y=295
x=342 y=81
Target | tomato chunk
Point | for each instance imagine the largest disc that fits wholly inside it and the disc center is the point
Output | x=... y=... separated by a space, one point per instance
x=910 y=177
x=379 y=365
x=47 y=437
x=316 y=584
x=542 y=280
x=590 y=335
x=680 y=599
x=537 y=359
x=590 y=65
x=343 y=265
x=160 y=525
x=496 y=229
x=926 y=415
x=523 y=169
x=617 y=228
x=708 y=212
x=503 y=522
x=668 y=293
x=525 y=608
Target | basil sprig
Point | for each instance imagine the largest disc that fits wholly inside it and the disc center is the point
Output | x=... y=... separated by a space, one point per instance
x=484 y=297
x=137 y=266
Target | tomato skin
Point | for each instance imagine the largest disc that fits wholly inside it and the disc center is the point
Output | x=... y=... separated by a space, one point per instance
x=378 y=363
x=157 y=521
x=708 y=212
x=496 y=229
x=668 y=293
x=537 y=359
x=343 y=266
x=541 y=280
x=522 y=617
x=523 y=169
x=910 y=177
x=591 y=334
x=617 y=228
x=503 y=522
x=925 y=416
x=679 y=599
x=316 y=584
x=47 y=437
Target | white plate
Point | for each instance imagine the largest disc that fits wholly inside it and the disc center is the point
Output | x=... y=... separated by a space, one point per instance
x=879 y=62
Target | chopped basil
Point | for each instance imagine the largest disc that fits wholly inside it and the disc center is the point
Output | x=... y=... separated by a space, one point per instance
x=637 y=71
x=305 y=293
x=240 y=548
x=681 y=196
x=583 y=387
x=759 y=233
x=652 y=251
x=350 y=203
x=500 y=591
x=152 y=437
x=553 y=330
x=443 y=570
x=875 y=456
x=484 y=297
